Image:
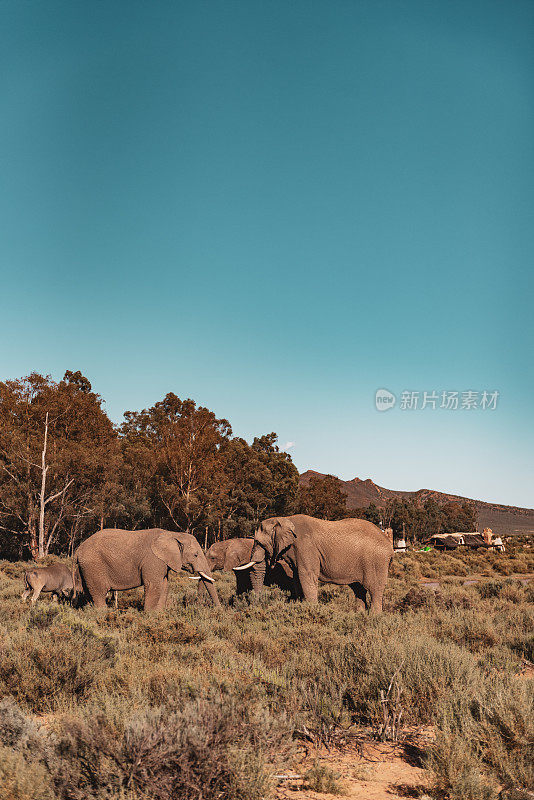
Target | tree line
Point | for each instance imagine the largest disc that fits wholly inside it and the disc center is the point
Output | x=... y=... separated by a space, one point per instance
x=67 y=470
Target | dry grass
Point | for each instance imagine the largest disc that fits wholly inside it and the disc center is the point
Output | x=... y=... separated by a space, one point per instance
x=200 y=702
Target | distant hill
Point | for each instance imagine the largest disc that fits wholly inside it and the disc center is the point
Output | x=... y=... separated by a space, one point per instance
x=507 y=520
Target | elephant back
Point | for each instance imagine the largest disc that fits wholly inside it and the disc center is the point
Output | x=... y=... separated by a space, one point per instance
x=346 y=533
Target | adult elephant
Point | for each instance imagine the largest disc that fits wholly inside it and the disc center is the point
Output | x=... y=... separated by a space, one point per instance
x=350 y=552
x=230 y=553
x=116 y=560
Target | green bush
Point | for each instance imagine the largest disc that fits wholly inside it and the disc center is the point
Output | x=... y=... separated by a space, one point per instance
x=18 y=730
x=425 y=669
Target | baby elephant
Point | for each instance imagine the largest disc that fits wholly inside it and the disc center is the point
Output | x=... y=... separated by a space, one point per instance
x=56 y=579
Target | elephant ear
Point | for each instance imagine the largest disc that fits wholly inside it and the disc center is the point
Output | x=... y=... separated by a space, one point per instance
x=284 y=535
x=169 y=550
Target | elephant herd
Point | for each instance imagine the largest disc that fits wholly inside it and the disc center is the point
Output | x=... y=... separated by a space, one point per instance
x=296 y=553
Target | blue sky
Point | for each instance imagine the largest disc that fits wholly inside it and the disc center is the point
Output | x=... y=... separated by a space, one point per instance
x=277 y=208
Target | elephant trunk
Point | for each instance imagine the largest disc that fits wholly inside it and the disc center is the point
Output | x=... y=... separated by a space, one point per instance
x=256 y=569
x=211 y=590
x=205 y=581
x=202 y=592
x=257 y=575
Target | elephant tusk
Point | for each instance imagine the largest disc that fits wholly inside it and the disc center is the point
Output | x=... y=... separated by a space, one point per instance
x=206 y=577
x=194 y=577
x=245 y=566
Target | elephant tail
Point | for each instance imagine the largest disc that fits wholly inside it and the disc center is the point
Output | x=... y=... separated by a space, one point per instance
x=76 y=576
x=27 y=584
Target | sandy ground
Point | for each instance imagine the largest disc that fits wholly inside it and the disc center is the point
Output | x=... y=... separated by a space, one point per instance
x=373 y=771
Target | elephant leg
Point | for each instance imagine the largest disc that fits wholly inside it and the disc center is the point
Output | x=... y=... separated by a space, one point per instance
x=99 y=598
x=360 y=594
x=98 y=594
x=36 y=592
x=377 y=593
x=153 y=592
x=310 y=586
x=376 y=601
x=308 y=567
x=162 y=602
x=25 y=594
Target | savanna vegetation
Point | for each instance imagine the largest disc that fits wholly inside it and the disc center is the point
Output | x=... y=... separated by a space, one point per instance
x=196 y=702
x=199 y=703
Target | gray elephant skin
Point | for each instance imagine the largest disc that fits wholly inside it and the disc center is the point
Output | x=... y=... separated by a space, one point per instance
x=117 y=560
x=351 y=552
x=230 y=553
x=226 y=555
x=57 y=579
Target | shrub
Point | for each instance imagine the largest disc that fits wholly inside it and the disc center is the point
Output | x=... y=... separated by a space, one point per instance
x=524 y=647
x=487 y=589
x=493 y=728
x=425 y=669
x=219 y=692
x=320 y=778
x=20 y=780
x=57 y=658
x=419 y=597
x=498 y=659
x=19 y=731
x=207 y=750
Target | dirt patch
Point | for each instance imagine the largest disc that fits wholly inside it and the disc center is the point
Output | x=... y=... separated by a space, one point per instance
x=372 y=771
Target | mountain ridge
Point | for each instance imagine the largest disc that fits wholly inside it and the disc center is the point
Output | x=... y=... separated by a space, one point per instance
x=360 y=493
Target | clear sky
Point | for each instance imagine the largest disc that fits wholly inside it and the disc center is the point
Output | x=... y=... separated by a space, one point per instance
x=277 y=208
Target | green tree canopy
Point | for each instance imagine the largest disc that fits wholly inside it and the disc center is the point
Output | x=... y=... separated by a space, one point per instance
x=172 y=459
x=322 y=498
x=59 y=459
x=418 y=521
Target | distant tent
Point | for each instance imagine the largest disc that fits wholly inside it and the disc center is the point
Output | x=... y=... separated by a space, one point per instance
x=445 y=541
x=474 y=540
x=450 y=541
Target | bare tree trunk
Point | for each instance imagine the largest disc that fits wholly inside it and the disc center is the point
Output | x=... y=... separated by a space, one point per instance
x=44 y=543
x=34 y=545
x=42 y=493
